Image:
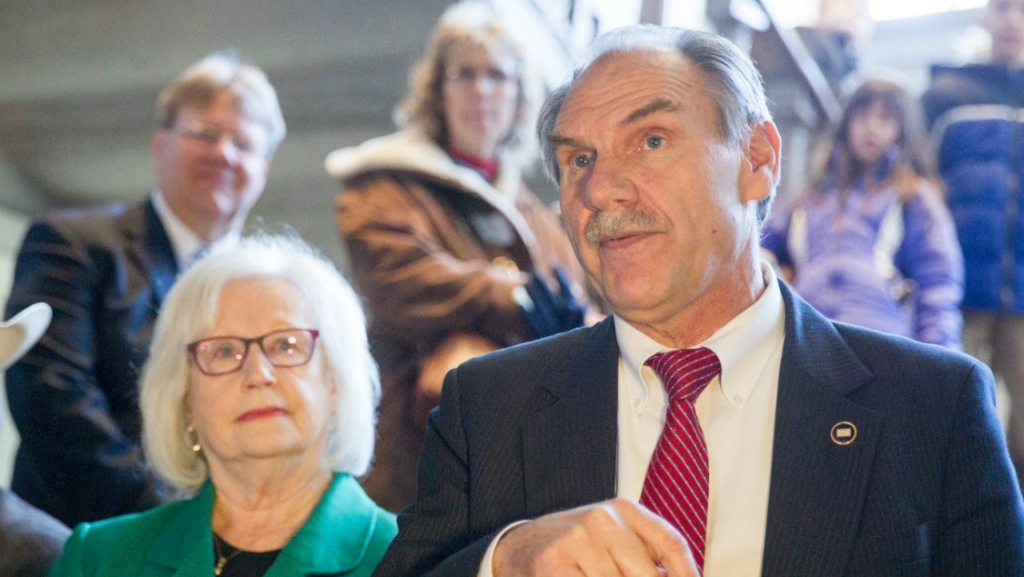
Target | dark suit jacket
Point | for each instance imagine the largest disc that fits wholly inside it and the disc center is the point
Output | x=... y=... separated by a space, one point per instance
x=926 y=488
x=30 y=540
x=73 y=396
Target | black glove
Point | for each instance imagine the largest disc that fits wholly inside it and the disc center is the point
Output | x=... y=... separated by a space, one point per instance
x=551 y=312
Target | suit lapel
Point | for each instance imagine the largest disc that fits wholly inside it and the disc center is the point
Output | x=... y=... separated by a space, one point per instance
x=151 y=249
x=569 y=444
x=820 y=470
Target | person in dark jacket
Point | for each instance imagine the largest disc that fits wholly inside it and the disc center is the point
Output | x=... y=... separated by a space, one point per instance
x=105 y=273
x=809 y=447
x=976 y=112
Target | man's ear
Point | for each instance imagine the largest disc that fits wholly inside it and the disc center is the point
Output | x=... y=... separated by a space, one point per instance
x=762 y=153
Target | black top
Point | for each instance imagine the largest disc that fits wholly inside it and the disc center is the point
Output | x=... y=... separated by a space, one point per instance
x=240 y=563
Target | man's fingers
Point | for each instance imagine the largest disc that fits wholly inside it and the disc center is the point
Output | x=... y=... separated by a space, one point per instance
x=665 y=545
x=681 y=564
x=622 y=550
x=617 y=537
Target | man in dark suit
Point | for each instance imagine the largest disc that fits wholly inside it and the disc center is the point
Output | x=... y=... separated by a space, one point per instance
x=105 y=273
x=830 y=450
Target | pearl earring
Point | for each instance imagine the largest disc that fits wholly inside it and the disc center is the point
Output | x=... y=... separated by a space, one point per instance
x=193 y=439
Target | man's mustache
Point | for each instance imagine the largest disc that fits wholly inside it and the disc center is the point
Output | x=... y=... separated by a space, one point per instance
x=620 y=223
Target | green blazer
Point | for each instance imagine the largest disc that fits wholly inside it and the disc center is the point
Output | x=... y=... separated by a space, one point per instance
x=345 y=535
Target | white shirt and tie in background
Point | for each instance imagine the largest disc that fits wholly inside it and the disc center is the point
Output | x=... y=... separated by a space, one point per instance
x=186 y=244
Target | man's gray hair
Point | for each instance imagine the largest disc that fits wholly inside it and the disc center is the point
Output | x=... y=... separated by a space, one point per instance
x=733 y=82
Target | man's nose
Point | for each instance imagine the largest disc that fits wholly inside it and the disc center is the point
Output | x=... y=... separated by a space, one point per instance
x=227 y=150
x=608 y=185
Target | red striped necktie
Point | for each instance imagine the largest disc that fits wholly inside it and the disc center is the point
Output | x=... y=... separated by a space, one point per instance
x=676 y=486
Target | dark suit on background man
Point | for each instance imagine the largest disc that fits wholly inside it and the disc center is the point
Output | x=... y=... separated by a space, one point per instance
x=925 y=484
x=808 y=448
x=105 y=273
x=73 y=396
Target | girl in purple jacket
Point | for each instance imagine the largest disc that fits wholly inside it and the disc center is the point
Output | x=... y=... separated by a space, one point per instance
x=871 y=241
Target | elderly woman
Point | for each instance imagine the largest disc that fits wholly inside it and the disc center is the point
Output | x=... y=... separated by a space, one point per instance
x=454 y=255
x=258 y=399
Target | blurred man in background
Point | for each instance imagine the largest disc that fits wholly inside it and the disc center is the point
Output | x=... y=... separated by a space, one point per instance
x=105 y=272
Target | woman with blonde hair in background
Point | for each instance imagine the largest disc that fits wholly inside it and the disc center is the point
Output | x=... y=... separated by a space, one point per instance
x=453 y=253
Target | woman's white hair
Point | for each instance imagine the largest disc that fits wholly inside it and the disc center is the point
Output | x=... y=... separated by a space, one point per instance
x=188 y=314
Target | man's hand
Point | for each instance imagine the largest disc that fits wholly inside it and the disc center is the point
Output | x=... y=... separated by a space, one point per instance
x=617 y=537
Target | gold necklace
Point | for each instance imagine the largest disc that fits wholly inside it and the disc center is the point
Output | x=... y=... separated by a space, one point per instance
x=222 y=559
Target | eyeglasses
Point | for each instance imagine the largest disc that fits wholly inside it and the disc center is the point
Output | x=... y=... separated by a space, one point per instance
x=212 y=136
x=468 y=76
x=283 y=348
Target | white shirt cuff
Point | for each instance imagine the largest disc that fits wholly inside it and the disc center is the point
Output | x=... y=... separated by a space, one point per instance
x=486 y=568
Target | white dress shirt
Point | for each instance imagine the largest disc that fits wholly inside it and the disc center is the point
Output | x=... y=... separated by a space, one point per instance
x=185 y=243
x=737 y=414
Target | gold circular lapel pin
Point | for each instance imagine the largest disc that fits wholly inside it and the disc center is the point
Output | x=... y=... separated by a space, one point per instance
x=843 y=433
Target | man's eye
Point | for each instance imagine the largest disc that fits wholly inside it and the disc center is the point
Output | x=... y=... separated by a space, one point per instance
x=210 y=135
x=652 y=142
x=497 y=76
x=243 y=145
x=581 y=161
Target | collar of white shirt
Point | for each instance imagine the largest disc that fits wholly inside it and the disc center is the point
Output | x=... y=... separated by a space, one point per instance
x=185 y=243
x=737 y=415
x=743 y=346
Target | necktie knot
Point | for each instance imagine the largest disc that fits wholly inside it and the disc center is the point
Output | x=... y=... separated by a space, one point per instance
x=685 y=372
x=198 y=254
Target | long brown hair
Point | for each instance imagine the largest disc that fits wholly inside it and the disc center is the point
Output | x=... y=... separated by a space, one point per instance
x=911 y=161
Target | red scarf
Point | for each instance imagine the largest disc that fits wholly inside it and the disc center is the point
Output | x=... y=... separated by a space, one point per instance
x=486 y=167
